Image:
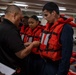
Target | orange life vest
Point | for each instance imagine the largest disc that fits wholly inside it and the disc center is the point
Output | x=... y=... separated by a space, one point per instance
x=33 y=35
x=72 y=71
x=71 y=23
x=22 y=31
x=50 y=46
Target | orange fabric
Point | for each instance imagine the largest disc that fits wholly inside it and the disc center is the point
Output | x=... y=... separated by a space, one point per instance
x=22 y=31
x=34 y=35
x=72 y=60
x=71 y=73
x=73 y=54
x=71 y=23
x=51 y=48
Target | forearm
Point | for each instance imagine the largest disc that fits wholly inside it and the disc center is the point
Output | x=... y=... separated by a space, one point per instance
x=27 y=50
x=23 y=53
x=27 y=44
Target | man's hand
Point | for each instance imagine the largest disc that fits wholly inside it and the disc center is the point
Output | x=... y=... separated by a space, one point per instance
x=36 y=43
x=27 y=44
x=23 y=53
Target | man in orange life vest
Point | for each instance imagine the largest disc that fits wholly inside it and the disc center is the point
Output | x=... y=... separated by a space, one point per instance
x=56 y=41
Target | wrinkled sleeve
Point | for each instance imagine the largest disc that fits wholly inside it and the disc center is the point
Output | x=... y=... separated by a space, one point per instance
x=14 y=41
x=67 y=46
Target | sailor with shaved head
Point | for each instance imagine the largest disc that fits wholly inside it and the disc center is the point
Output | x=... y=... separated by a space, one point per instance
x=12 y=49
x=14 y=14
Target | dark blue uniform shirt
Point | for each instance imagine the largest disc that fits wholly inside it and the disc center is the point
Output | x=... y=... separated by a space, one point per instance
x=67 y=46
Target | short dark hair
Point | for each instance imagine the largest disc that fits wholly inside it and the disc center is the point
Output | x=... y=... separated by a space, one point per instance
x=35 y=17
x=12 y=8
x=26 y=17
x=51 y=6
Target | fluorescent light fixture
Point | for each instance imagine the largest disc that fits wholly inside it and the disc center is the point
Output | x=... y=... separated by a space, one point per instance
x=40 y=16
x=3 y=8
x=18 y=2
x=62 y=8
x=23 y=5
x=2 y=14
x=7 y=0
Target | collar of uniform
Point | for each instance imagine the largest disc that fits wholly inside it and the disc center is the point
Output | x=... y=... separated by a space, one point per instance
x=9 y=22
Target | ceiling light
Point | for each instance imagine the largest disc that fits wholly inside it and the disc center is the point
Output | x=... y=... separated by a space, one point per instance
x=2 y=14
x=62 y=8
x=18 y=2
x=3 y=8
x=6 y=0
x=40 y=16
x=23 y=5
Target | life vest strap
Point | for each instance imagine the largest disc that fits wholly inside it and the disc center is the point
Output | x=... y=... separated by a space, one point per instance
x=54 y=33
x=51 y=50
x=46 y=32
x=47 y=60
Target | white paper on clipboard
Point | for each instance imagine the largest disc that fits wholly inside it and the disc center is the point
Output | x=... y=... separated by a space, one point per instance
x=6 y=70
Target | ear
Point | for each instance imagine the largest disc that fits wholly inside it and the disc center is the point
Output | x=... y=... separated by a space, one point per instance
x=14 y=15
x=37 y=22
x=53 y=13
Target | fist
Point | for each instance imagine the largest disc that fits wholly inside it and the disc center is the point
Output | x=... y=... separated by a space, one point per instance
x=36 y=43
